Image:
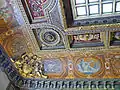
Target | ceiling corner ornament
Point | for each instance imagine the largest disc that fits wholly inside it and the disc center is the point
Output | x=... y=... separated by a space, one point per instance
x=29 y=66
x=49 y=5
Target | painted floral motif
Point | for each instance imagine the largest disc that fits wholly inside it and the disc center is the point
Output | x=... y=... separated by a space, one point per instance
x=88 y=66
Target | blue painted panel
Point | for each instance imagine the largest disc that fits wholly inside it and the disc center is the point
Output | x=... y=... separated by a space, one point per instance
x=52 y=66
x=88 y=67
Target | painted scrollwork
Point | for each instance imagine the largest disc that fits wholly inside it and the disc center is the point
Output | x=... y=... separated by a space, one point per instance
x=30 y=65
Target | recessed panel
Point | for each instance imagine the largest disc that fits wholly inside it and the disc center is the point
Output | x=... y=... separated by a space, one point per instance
x=93 y=9
x=93 y=0
x=49 y=38
x=107 y=8
x=91 y=12
x=81 y=11
x=34 y=10
x=118 y=6
x=115 y=38
x=86 y=40
x=80 y=1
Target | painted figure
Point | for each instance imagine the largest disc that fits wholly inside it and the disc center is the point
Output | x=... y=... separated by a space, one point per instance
x=117 y=35
x=87 y=37
x=85 y=67
x=115 y=38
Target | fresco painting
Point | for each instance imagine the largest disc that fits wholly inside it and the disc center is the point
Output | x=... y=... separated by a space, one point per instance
x=52 y=66
x=88 y=66
x=86 y=40
x=115 y=38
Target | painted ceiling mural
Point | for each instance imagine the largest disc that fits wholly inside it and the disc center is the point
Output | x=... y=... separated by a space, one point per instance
x=45 y=48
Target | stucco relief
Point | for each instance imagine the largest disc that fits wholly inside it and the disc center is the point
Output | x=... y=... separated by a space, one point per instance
x=73 y=66
x=90 y=82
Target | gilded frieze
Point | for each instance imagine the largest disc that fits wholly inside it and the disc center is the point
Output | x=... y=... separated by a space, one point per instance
x=69 y=65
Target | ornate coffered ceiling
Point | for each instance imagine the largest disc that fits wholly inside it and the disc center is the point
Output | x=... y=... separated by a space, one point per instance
x=87 y=52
